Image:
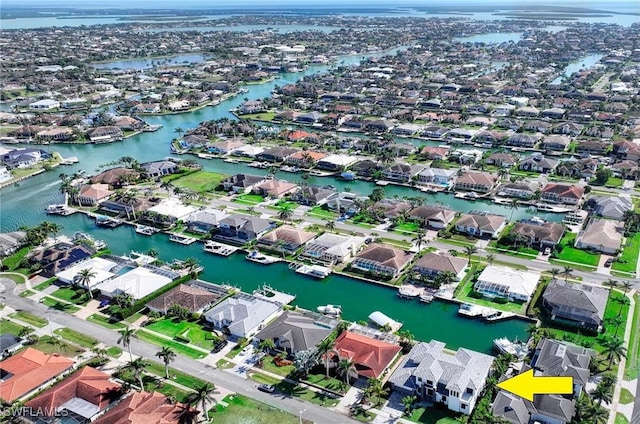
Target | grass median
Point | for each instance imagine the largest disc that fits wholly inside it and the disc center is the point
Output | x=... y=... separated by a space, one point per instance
x=177 y=347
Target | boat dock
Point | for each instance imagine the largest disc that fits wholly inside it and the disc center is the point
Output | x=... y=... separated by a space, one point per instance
x=219 y=248
x=179 y=238
x=470 y=310
x=267 y=292
x=60 y=210
x=105 y=221
x=316 y=271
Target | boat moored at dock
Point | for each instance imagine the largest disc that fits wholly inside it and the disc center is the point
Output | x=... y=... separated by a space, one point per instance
x=331 y=310
x=144 y=230
x=59 y=210
x=105 y=221
x=179 y=238
x=219 y=248
x=408 y=291
x=316 y=271
x=515 y=348
x=261 y=258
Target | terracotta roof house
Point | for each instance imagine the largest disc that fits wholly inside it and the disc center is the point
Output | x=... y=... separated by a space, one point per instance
x=294 y=331
x=286 y=239
x=86 y=393
x=274 y=188
x=627 y=149
x=93 y=194
x=432 y=264
x=27 y=371
x=481 y=224
x=382 y=259
x=145 y=408
x=476 y=181
x=115 y=176
x=544 y=235
x=435 y=153
x=581 y=304
x=305 y=158
x=191 y=297
x=437 y=375
x=562 y=193
x=371 y=356
x=602 y=235
x=432 y=216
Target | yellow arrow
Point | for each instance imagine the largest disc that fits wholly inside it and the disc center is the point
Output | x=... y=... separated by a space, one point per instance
x=526 y=385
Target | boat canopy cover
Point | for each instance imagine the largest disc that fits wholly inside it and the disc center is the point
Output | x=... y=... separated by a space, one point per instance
x=381 y=319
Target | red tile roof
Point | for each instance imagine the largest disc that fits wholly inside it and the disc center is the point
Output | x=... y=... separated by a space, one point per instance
x=144 y=408
x=370 y=356
x=88 y=384
x=30 y=369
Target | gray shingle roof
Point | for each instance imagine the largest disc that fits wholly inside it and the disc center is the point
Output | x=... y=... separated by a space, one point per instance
x=297 y=331
x=590 y=299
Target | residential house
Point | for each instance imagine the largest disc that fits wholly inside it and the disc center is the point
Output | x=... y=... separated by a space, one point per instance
x=556 y=142
x=437 y=176
x=371 y=357
x=23 y=158
x=592 y=147
x=438 y=376
x=192 y=297
x=382 y=259
x=542 y=235
x=105 y=134
x=503 y=282
x=345 y=202
x=538 y=163
x=274 y=189
x=225 y=147
x=627 y=149
x=569 y=128
x=60 y=256
x=252 y=106
x=402 y=172
x=481 y=182
x=432 y=216
x=276 y=154
x=336 y=162
x=521 y=190
x=11 y=241
x=502 y=160
x=601 y=235
x=365 y=168
x=305 y=158
x=159 y=168
x=491 y=138
x=434 y=132
x=312 y=195
x=286 y=239
x=611 y=207
x=58 y=134
x=242 y=228
x=204 y=220
x=581 y=304
x=523 y=140
x=537 y=126
x=242 y=315
x=144 y=407
x=332 y=248
x=5 y=175
x=242 y=183
x=481 y=225
x=390 y=209
x=44 y=104
x=86 y=394
x=434 y=153
x=26 y=371
x=93 y=194
x=562 y=193
x=116 y=176
x=294 y=331
x=432 y=264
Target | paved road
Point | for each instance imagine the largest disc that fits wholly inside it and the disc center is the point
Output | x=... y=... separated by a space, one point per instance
x=312 y=412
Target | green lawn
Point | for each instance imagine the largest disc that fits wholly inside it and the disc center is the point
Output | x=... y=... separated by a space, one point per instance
x=241 y=409
x=629 y=258
x=406 y=227
x=621 y=419
x=268 y=365
x=614 y=182
x=114 y=351
x=200 y=181
x=12 y=262
x=249 y=199
x=402 y=244
x=75 y=295
x=264 y=116
x=105 y=321
x=197 y=334
x=319 y=212
x=284 y=204
x=175 y=375
x=432 y=416
x=464 y=293
x=179 y=348
x=30 y=319
x=44 y=284
x=626 y=397
x=151 y=385
x=328 y=383
x=10 y=327
x=633 y=353
x=27 y=293
x=18 y=279
x=571 y=254
x=49 y=345
x=76 y=337
x=59 y=306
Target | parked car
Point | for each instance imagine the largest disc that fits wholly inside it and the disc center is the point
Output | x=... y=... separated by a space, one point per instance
x=267 y=388
x=608 y=262
x=219 y=346
x=547 y=250
x=104 y=303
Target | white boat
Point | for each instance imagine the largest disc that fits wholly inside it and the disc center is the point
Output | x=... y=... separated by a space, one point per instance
x=58 y=210
x=316 y=271
x=70 y=160
x=409 y=292
x=97 y=244
x=231 y=160
x=333 y=310
x=426 y=297
x=517 y=349
x=261 y=258
x=468 y=196
x=550 y=208
x=383 y=183
x=151 y=128
x=179 y=238
x=287 y=168
x=147 y=231
x=471 y=311
x=219 y=248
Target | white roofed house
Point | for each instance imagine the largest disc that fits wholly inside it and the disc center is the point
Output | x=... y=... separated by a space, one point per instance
x=438 y=176
x=332 y=248
x=503 y=282
x=10 y=242
x=481 y=224
x=336 y=162
x=45 y=104
x=602 y=235
x=204 y=220
x=138 y=282
x=242 y=315
x=403 y=172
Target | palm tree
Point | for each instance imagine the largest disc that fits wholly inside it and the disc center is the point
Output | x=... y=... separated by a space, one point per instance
x=611 y=283
x=377 y=390
x=346 y=367
x=179 y=131
x=323 y=348
x=490 y=258
x=167 y=355
x=602 y=393
x=470 y=251
x=331 y=224
x=191 y=264
x=125 y=339
x=626 y=285
x=419 y=238
x=513 y=205
x=615 y=321
x=623 y=301
x=203 y=395
x=614 y=349
x=407 y=403
x=285 y=214
x=566 y=271
x=266 y=345
x=554 y=272
x=137 y=366
x=84 y=278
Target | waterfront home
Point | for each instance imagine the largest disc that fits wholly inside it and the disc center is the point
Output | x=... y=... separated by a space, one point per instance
x=242 y=228
x=407 y=129
x=100 y=267
x=5 y=175
x=402 y=172
x=312 y=195
x=128 y=123
x=192 y=297
x=581 y=304
x=305 y=158
x=562 y=193
x=274 y=189
x=481 y=224
x=116 y=177
x=523 y=140
x=438 y=176
x=93 y=194
x=276 y=154
x=23 y=158
x=365 y=168
x=435 y=153
x=432 y=264
x=556 y=142
x=294 y=332
x=521 y=190
x=491 y=138
x=159 y=168
x=569 y=128
x=390 y=208
x=502 y=160
x=242 y=315
x=431 y=216
x=481 y=182
x=611 y=207
x=249 y=151
x=58 y=257
x=44 y=104
x=551 y=358
x=225 y=146
x=86 y=393
x=252 y=106
x=434 y=132
x=146 y=108
x=460 y=135
x=286 y=239
x=538 y=163
x=204 y=220
x=371 y=357
x=437 y=375
x=25 y=372
x=58 y=134
x=601 y=235
x=138 y=282
x=11 y=241
x=332 y=248
x=144 y=407
x=242 y=183
x=26 y=131
x=172 y=208
x=345 y=202
x=541 y=235
x=508 y=283
x=382 y=259
x=336 y=162
x=9 y=344
x=104 y=134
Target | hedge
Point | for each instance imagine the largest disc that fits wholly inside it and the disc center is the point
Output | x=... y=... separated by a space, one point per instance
x=141 y=303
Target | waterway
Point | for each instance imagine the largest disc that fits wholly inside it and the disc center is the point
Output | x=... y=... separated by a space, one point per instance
x=491 y=38
x=180 y=59
x=249 y=28
x=584 y=63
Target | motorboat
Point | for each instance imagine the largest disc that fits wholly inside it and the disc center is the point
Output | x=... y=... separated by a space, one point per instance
x=408 y=291
x=516 y=348
x=261 y=258
x=426 y=297
x=179 y=238
x=144 y=230
x=218 y=248
x=333 y=310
